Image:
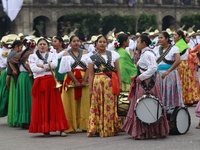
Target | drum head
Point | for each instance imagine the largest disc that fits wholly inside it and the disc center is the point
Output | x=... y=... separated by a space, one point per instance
x=183 y=121
x=148 y=110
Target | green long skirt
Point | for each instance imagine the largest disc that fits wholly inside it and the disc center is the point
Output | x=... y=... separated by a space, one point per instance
x=23 y=99
x=11 y=104
x=4 y=93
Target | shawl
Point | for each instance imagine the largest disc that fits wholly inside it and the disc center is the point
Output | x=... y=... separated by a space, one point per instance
x=127 y=68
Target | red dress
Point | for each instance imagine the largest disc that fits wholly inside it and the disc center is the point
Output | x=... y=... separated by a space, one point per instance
x=47 y=108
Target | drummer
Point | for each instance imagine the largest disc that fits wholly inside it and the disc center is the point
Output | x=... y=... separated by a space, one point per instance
x=147 y=67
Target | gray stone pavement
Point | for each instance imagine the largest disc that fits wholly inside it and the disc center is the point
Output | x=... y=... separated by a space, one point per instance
x=19 y=139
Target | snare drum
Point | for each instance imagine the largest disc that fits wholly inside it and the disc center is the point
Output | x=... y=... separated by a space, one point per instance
x=122 y=104
x=179 y=119
x=148 y=109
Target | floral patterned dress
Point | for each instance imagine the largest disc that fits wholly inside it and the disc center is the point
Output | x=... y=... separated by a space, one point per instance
x=103 y=118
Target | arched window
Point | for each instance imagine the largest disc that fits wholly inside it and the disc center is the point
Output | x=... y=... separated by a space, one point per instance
x=64 y=1
x=5 y=25
x=109 y=1
x=167 y=2
x=168 y=22
x=41 y=1
x=40 y=24
x=149 y=2
x=88 y=1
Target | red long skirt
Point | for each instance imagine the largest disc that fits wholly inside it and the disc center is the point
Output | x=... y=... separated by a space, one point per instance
x=47 y=109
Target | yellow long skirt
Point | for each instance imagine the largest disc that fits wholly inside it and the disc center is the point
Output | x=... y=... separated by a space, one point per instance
x=103 y=119
x=76 y=111
x=189 y=84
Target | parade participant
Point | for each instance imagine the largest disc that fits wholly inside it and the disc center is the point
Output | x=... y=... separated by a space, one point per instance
x=187 y=77
x=11 y=81
x=58 y=45
x=127 y=68
x=75 y=99
x=167 y=64
x=147 y=68
x=47 y=113
x=3 y=73
x=23 y=102
x=136 y=55
x=104 y=86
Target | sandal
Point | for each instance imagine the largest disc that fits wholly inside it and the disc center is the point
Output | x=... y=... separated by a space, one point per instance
x=63 y=134
x=197 y=127
x=47 y=134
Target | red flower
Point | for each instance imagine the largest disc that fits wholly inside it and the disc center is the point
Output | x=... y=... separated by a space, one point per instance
x=108 y=108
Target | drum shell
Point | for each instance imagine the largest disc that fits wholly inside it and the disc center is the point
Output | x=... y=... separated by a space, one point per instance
x=122 y=106
x=172 y=113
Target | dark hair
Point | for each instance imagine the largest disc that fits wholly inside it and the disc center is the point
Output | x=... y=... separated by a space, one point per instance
x=60 y=40
x=121 y=38
x=44 y=40
x=145 y=39
x=17 y=42
x=95 y=43
x=181 y=33
x=71 y=38
x=166 y=35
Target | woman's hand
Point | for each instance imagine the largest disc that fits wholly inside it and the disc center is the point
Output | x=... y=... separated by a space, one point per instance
x=165 y=74
x=14 y=72
x=138 y=80
x=84 y=83
x=77 y=84
x=91 y=93
x=40 y=65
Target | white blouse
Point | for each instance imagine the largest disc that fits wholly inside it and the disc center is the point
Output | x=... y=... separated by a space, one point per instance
x=60 y=54
x=185 y=55
x=114 y=55
x=3 y=60
x=147 y=61
x=67 y=61
x=169 y=56
x=34 y=61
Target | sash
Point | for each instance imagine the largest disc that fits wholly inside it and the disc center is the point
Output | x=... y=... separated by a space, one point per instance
x=77 y=59
x=183 y=52
x=40 y=56
x=162 y=55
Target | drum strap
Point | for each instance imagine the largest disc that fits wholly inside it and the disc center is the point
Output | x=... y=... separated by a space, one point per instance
x=151 y=82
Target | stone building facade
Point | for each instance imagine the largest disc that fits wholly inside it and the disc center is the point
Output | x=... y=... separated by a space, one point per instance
x=168 y=12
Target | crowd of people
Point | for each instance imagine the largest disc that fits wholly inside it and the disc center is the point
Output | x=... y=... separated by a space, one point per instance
x=68 y=85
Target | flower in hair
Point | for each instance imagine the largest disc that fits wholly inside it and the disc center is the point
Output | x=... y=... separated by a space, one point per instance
x=116 y=44
x=31 y=43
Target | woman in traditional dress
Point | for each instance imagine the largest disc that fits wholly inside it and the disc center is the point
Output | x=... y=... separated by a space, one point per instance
x=11 y=82
x=104 y=87
x=58 y=45
x=76 y=98
x=147 y=68
x=169 y=82
x=47 y=110
x=4 y=93
x=24 y=85
x=189 y=80
x=127 y=68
